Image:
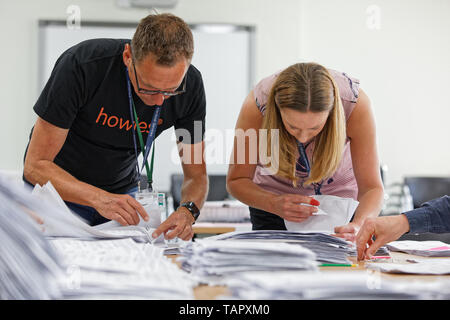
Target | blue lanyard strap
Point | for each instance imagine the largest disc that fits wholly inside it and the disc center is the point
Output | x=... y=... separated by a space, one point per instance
x=303 y=163
x=150 y=138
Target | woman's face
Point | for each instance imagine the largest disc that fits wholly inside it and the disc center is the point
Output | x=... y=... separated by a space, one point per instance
x=304 y=126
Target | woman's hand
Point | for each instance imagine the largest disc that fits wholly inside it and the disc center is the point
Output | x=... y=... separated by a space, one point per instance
x=289 y=207
x=348 y=231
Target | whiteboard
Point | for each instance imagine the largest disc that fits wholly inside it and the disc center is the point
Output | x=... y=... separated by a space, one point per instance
x=224 y=54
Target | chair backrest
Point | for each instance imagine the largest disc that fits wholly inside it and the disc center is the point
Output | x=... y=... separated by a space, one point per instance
x=424 y=189
x=217 y=188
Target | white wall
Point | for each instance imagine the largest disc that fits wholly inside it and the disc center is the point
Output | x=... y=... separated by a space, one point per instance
x=403 y=66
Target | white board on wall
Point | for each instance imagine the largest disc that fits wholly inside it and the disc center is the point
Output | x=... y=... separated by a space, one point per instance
x=224 y=54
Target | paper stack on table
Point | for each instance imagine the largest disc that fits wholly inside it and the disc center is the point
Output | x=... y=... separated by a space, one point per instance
x=33 y=267
x=357 y=285
x=421 y=248
x=220 y=258
x=333 y=212
x=121 y=269
x=29 y=267
x=62 y=222
x=224 y=211
x=327 y=248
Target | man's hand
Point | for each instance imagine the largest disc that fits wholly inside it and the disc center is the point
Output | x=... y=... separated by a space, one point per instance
x=385 y=229
x=122 y=208
x=180 y=222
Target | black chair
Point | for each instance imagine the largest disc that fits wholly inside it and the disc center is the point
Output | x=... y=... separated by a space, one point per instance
x=423 y=189
x=217 y=188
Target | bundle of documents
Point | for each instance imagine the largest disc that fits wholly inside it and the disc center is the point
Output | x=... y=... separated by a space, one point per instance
x=62 y=222
x=34 y=267
x=332 y=212
x=421 y=248
x=327 y=248
x=415 y=266
x=29 y=267
x=120 y=269
x=224 y=211
x=220 y=258
x=357 y=285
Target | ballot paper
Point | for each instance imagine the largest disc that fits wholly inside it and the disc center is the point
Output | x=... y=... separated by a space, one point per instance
x=428 y=266
x=327 y=248
x=356 y=285
x=421 y=248
x=205 y=257
x=332 y=212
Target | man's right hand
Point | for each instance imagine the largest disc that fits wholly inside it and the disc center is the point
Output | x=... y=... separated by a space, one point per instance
x=122 y=208
x=385 y=229
x=288 y=206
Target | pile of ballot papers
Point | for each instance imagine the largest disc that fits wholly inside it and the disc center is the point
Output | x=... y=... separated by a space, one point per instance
x=75 y=263
x=205 y=257
x=327 y=248
x=120 y=269
x=29 y=267
x=357 y=285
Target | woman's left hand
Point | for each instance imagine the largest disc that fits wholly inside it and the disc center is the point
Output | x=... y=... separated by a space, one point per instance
x=348 y=231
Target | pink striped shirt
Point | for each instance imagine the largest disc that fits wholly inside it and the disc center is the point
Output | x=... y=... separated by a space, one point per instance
x=343 y=182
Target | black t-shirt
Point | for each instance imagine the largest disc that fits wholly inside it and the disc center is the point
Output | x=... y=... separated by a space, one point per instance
x=87 y=94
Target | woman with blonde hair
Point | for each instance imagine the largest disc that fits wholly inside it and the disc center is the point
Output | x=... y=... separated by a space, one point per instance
x=326 y=145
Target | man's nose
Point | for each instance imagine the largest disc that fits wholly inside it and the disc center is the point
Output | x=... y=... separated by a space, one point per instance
x=159 y=99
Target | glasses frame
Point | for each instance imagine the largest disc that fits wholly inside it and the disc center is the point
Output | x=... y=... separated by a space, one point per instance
x=164 y=93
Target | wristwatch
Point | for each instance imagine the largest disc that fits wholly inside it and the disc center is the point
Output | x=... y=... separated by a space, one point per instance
x=192 y=209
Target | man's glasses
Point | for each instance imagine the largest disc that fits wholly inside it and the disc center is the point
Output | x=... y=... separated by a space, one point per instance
x=181 y=89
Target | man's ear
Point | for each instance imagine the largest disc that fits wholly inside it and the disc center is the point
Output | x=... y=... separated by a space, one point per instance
x=127 y=55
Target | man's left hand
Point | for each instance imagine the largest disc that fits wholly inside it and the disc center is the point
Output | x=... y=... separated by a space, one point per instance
x=180 y=222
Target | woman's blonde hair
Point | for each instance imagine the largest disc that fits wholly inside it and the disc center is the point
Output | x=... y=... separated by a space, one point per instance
x=306 y=87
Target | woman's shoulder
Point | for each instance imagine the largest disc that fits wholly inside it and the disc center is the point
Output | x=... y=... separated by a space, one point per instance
x=348 y=85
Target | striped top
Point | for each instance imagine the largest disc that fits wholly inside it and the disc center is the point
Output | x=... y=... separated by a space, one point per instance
x=343 y=182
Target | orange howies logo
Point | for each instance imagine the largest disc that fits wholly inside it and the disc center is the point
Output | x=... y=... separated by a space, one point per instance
x=120 y=123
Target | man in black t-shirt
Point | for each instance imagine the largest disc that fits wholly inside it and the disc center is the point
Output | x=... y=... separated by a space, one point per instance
x=85 y=140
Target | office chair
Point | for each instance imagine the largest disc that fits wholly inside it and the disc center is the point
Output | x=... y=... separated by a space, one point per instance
x=217 y=188
x=423 y=189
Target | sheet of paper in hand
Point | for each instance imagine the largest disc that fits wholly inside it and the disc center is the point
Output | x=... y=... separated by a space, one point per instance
x=333 y=212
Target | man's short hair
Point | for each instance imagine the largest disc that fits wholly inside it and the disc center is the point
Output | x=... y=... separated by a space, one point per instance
x=164 y=35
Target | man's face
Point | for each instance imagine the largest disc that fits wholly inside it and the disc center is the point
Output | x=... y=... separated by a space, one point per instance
x=152 y=76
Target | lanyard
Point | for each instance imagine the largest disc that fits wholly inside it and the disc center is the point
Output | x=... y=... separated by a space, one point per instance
x=303 y=166
x=150 y=138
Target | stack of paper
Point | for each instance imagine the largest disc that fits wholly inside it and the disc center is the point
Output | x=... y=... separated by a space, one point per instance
x=224 y=211
x=218 y=258
x=434 y=266
x=120 y=269
x=421 y=248
x=60 y=221
x=29 y=267
x=357 y=285
x=332 y=212
x=327 y=248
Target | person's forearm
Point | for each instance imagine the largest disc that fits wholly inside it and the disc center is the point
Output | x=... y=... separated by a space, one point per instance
x=195 y=189
x=246 y=191
x=68 y=187
x=370 y=205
